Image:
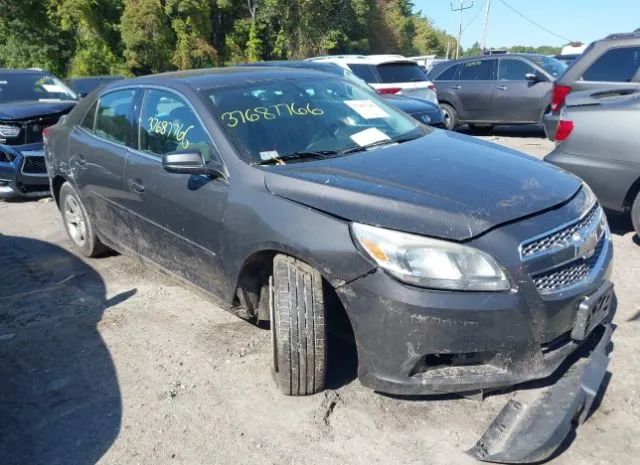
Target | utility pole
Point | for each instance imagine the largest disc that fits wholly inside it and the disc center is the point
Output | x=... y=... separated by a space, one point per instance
x=486 y=26
x=461 y=8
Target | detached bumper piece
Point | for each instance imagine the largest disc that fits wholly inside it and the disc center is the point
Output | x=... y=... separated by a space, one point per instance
x=535 y=422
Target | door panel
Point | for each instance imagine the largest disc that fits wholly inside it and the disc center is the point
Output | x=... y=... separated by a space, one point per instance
x=473 y=85
x=516 y=100
x=176 y=218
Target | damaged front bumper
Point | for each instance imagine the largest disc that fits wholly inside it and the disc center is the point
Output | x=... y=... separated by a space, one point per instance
x=414 y=341
x=23 y=171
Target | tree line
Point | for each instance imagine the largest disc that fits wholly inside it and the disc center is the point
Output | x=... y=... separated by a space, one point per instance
x=135 y=37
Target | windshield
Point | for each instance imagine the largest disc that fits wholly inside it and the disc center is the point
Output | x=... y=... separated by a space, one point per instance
x=16 y=87
x=275 y=119
x=550 y=65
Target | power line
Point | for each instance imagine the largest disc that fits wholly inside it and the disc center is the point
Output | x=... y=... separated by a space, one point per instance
x=533 y=22
x=474 y=16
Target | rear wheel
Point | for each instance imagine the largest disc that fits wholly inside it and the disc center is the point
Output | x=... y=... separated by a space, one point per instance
x=450 y=116
x=635 y=214
x=78 y=223
x=298 y=327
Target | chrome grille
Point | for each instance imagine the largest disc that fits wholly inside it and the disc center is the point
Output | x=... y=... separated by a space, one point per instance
x=562 y=238
x=568 y=275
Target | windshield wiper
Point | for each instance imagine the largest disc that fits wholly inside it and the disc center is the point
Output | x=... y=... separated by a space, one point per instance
x=282 y=159
x=364 y=148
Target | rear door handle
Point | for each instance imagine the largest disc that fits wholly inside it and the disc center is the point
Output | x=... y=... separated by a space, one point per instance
x=502 y=87
x=136 y=185
x=455 y=86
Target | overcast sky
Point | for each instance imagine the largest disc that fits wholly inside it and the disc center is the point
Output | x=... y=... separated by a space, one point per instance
x=579 y=20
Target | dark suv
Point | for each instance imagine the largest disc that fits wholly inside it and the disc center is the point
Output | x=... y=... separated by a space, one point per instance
x=489 y=90
x=30 y=101
x=610 y=63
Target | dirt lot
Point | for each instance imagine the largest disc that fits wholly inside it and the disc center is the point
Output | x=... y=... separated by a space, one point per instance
x=105 y=361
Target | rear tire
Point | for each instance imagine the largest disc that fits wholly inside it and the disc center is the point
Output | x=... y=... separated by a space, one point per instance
x=78 y=224
x=298 y=327
x=635 y=214
x=450 y=116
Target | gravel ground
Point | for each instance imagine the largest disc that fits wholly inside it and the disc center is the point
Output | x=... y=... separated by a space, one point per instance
x=105 y=361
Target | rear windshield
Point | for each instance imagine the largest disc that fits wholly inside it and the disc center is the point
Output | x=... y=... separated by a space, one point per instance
x=616 y=65
x=550 y=65
x=15 y=87
x=401 y=72
x=279 y=118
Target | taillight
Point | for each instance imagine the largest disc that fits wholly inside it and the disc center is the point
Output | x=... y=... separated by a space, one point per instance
x=565 y=128
x=558 y=96
x=432 y=87
x=388 y=90
x=45 y=132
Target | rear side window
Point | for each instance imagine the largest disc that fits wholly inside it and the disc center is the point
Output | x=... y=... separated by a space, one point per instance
x=89 y=118
x=168 y=124
x=615 y=65
x=480 y=70
x=401 y=72
x=513 y=70
x=448 y=74
x=365 y=72
x=113 y=121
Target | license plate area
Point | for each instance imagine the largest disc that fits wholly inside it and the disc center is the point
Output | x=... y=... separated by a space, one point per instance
x=592 y=311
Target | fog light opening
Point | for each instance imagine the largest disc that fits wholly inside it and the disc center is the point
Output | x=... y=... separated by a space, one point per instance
x=432 y=362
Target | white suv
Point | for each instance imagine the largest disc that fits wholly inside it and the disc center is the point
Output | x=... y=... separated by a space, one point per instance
x=387 y=74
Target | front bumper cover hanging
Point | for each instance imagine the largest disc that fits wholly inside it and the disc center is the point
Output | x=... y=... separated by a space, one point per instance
x=535 y=422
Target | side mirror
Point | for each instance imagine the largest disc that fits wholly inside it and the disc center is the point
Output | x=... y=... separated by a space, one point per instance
x=190 y=162
x=534 y=77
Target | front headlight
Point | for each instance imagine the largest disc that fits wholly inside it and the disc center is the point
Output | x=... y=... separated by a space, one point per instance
x=9 y=131
x=431 y=263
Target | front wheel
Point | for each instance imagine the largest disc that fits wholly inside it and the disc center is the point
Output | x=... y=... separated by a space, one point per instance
x=450 y=116
x=298 y=327
x=78 y=223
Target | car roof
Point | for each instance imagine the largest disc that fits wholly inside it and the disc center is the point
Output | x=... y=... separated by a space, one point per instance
x=363 y=59
x=494 y=57
x=22 y=71
x=219 y=77
x=90 y=78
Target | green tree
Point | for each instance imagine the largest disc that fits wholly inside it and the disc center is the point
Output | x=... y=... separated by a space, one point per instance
x=147 y=36
x=190 y=21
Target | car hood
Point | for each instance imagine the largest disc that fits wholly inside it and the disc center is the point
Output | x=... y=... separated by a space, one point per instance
x=443 y=185
x=411 y=105
x=32 y=109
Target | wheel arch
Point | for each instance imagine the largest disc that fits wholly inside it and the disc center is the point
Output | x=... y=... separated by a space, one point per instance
x=632 y=193
x=56 y=184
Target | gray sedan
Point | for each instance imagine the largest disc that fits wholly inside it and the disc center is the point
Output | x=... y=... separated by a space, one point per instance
x=598 y=140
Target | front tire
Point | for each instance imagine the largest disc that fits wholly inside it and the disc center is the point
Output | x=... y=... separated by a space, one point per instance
x=450 y=116
x=298 y=327
x=635 y=214
x=78 y=224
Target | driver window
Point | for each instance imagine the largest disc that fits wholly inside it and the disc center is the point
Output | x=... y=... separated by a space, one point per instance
x=514 y=70
x=168 y=124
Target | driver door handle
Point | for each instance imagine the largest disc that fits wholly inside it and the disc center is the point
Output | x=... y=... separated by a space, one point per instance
x=455 y=86
x=136 y=185
x=502 y=87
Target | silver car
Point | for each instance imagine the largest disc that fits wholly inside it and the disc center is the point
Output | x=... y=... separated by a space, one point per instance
x=598 y=139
